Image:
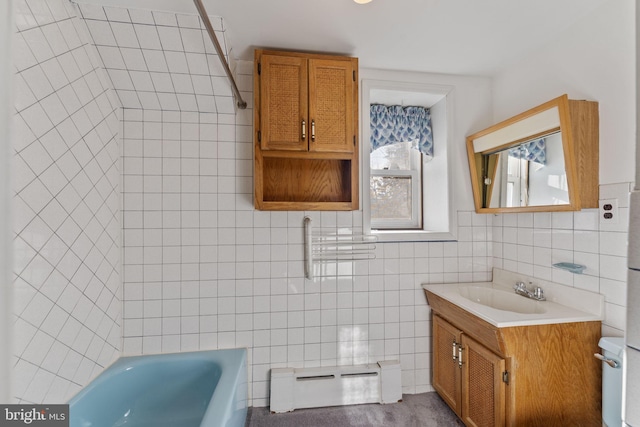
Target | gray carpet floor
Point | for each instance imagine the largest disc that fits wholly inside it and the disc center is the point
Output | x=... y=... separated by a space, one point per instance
x=416 y=410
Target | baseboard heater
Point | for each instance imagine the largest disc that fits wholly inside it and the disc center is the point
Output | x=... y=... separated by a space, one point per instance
x=293 y=388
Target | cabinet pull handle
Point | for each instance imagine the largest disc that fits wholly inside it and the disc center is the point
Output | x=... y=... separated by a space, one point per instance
x=304 y=130
x=313 y=130
x=460 y=356
x=455 y=350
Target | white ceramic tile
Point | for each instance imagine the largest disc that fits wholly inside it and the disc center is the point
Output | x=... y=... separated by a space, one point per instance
x=619 y=191
x=586 y=241
x=182 y=83
x=133 y=59
x=542 y=237
x=615 y=316
x=69 y=66
x=55 y=39
x=39 y=386
x=38 y=44
x=613 y=244
x=117 y=14
x=193 y=40
x=91 y=11
x=188 y=21
x=70 y=34
x=155 y=60
x=170 y=38
x=613 y=267
x=54 y=108
x=542 y=220
x=148 y=37
x=562 y=239
x=162 y=18
x=141 y=81
x=37 y=120
x=36 y=157
x=221 y=87
x=176 y=62
x=111 y=57
x=24 y=17
x=37 y=82
x=187 y=102
x=101 y=33
x=562 y=220
x=586 y=219
x=124 y=34
x=139 y=16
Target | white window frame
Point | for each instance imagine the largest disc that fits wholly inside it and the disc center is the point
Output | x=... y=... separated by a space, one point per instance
x=439 y=214
x=415 y=173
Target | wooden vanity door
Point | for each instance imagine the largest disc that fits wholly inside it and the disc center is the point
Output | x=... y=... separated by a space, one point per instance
x=446 y=370
x=483 y=390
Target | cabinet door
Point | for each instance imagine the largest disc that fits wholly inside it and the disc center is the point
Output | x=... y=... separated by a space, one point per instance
x=283 y=103
x=331 y=105
x=446 y=370
x=483 y=391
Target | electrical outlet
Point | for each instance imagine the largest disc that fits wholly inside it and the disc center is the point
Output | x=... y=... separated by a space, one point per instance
x=609 y=211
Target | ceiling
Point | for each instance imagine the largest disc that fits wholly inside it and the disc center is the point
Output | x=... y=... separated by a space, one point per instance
x=472 y=37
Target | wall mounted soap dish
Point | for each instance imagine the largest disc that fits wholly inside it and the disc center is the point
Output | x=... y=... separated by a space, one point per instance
x=569 y=266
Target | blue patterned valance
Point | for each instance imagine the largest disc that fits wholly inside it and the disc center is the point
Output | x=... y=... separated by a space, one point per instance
x=533 y=151
x=395 y=123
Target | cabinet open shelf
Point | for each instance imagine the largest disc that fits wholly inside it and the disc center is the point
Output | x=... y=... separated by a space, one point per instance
x=306 y=180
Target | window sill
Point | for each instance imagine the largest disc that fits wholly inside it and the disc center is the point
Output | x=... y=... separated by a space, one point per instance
x=389 y=236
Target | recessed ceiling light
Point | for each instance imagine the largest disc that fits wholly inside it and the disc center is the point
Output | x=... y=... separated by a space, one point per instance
x=362 y=1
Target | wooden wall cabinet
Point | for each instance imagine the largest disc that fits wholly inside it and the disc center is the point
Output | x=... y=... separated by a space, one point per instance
x=541 y=375
x=306 y=131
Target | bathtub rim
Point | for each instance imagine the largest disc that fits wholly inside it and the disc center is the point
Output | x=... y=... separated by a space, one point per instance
x=234 y=367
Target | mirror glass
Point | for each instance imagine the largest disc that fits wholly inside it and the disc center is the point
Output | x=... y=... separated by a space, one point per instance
x=530 y=173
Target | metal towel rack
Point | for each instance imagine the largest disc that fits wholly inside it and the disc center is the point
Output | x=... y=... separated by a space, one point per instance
x=207 y=23
x=334 y=246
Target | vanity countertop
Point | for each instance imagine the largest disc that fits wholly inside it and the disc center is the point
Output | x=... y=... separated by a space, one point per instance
x=564 y=304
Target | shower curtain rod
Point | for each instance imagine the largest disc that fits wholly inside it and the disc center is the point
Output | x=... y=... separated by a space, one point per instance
x=207 y=23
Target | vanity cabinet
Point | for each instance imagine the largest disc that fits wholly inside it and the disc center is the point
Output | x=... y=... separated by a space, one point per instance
x=468 y=376
x=540 y=375
x=306 y=131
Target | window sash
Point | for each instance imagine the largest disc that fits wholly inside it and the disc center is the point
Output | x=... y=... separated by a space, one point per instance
x=416 y=212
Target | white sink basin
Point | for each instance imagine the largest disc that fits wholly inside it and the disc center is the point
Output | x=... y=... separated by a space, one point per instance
x=496 y=302
x=501 y=300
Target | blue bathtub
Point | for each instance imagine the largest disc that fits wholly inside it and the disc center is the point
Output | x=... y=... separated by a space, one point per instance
x=196 y=389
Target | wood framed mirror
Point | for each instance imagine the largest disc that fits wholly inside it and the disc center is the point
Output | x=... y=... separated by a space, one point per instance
x=542 y=160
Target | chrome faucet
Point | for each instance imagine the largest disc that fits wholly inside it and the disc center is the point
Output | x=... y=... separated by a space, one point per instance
x=536 y=294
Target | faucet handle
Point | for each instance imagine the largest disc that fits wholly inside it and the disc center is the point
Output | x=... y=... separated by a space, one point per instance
x=538 y=293
x=519 y=285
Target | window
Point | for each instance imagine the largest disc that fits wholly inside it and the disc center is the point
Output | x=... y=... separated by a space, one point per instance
x=395 y=187
x=517 y=173
x=408 y=197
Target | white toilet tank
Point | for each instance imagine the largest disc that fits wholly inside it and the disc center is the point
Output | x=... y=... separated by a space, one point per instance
x=613 y=352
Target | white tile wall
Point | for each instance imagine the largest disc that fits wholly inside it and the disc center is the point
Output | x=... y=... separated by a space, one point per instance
x=531 y=243
x=66 y=207
x=161 y=61
x=203 y=270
